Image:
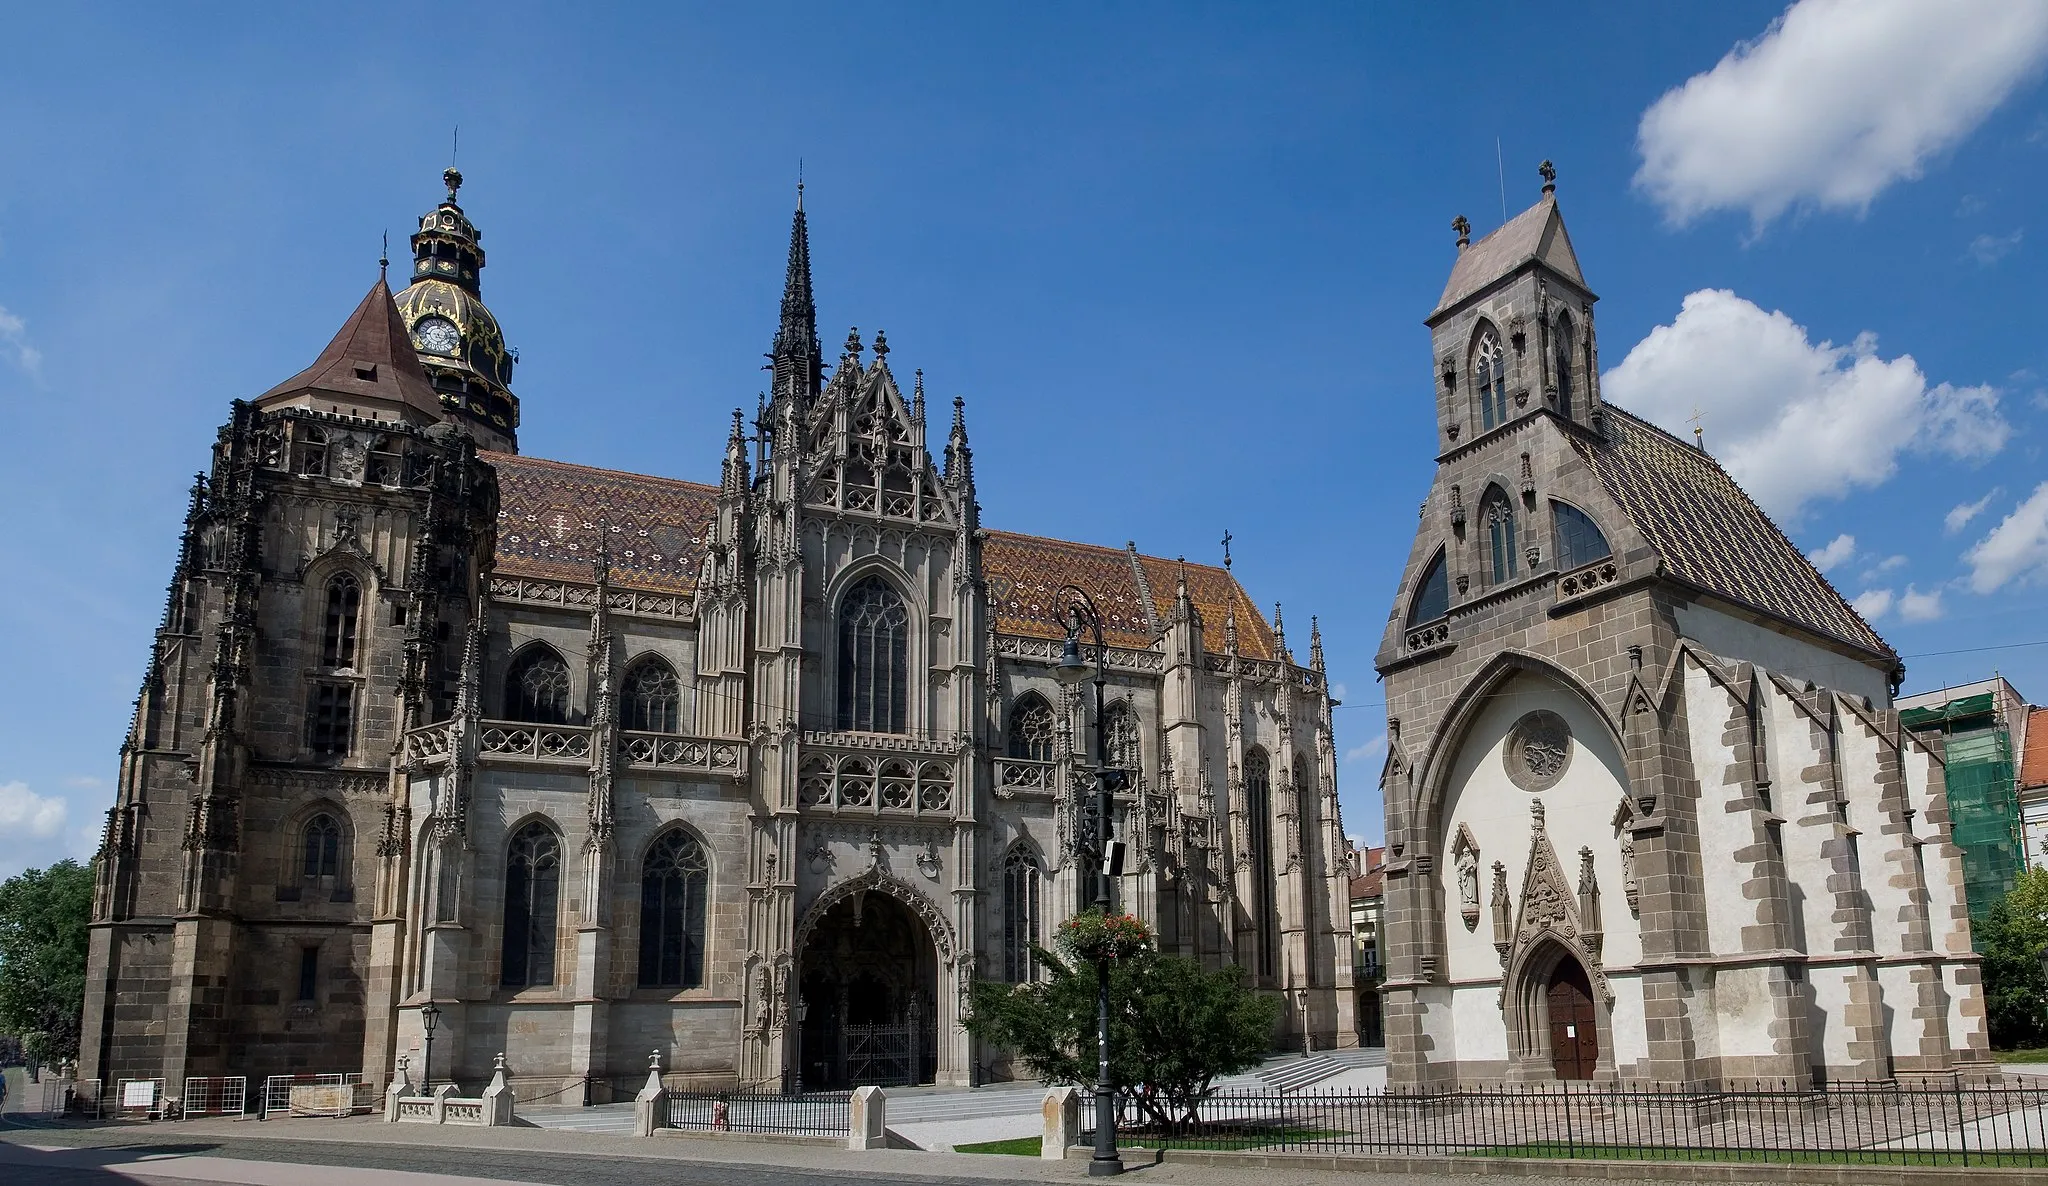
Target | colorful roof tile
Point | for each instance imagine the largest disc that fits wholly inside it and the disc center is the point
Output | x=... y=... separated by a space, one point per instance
x=1711 y=535
x=1025 y=572
x=2034 y=761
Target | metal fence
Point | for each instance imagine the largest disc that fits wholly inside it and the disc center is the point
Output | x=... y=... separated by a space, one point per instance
x=221 y=1095
x=277 y=1095
x=137 y=1099
x=1883 y=1124
x=71 y=1097
x=821 y=1114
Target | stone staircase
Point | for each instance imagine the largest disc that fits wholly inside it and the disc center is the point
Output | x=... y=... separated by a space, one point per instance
x=1292 y=1072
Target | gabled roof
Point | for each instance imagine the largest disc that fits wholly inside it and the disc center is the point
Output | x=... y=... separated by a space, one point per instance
x=1712 y=535
x=549 y=512
x=2034 y=762
x=370 y=358
x=1535 y=234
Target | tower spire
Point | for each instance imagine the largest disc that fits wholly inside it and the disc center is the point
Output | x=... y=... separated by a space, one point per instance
x=795 y=358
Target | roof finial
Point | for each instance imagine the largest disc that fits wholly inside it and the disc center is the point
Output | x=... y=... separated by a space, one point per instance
x=1549 y=172
x=1463 y=226
x=799 y=185
x=1226 y=548
x=853 y=342
x=452 y=178
x=1699 y=435
x=881 y=344
x=384 y=257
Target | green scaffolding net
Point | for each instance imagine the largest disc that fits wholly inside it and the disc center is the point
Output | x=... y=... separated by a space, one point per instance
x=1984 y=812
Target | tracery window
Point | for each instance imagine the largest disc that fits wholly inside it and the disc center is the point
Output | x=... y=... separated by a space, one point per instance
x=1032 y=728
x=533 y=876
x=1021 y=881
x=673 y=890
x=653 y=698
x=1432 y=595
x=338 y=632
x=310 y=446
x=1499 y=518
x=330 y=719
x=1563 y=352
x=320 y=847
x=1579 y=540
x=1120 y=737
x=1490 y=379
x=537 y=687
x=874 y=644
x=1258 y=810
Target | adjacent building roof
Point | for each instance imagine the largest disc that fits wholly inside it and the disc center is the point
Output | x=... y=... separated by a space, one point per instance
x=2034 y=761
x=1536 y=233
x=1712 y=535
x=550 y=512
x=370 y=358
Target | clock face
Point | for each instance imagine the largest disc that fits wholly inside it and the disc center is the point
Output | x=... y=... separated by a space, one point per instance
x=438 y=335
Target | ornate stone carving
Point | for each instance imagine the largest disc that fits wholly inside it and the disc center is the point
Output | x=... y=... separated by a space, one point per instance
x=1465 y=856
x=1539 y=750
x=875 y=879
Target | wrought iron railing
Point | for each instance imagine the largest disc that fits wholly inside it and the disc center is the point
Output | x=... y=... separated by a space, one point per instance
x=818 y=1114
x=1847 y=1124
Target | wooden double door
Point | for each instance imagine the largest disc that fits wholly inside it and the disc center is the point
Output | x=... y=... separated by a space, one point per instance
x=1574 y=1027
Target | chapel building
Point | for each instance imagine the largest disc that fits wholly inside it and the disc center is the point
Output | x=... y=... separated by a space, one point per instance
x=1651 y=815
x=757 y=775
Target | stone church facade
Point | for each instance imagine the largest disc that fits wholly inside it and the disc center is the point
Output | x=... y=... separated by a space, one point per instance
x=1650 y=814
x=759 y=775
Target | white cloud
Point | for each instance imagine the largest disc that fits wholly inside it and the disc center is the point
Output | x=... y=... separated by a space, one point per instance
x=1873 y=603
x=1338 y=691
x=1793 y=420
x=2016 y=549
x=1838 y=551
x=1989 y=249
x=1888 y=564
x=1959 y=517
x=14 y=342
x=1833 y=103
x=1370 y=750
x=1915 y=606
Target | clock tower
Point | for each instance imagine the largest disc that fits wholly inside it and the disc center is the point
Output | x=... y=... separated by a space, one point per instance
x=458 y=340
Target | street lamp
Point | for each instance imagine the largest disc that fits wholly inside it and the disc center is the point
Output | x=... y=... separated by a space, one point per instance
x=1071 y=670
x=430 y=1014
x=803 y=1010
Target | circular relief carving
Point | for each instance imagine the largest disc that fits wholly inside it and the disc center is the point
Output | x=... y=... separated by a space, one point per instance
x=1539 y=749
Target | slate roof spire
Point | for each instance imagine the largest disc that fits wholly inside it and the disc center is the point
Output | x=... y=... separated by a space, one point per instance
x=369 y=360
x=795 y=358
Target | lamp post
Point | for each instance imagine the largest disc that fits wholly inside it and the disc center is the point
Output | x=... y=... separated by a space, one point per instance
x=1071 y=670
x=803 y=1010
x=430 y=1015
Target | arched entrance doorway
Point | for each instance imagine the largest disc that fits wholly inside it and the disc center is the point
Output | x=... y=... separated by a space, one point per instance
x=1574 y=1027
x=869 y=982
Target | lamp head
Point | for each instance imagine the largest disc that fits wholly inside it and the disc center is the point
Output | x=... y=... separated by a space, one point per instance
x=1072 y=668
x=429 y=1014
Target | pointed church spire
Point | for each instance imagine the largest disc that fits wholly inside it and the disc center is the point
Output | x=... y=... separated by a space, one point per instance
x=1279 y=632
x=735 y=477
x=795 y=358
x=1315 y=644
x=959 y=458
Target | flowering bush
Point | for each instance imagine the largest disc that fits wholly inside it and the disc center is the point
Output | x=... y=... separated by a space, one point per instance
x=1091 y=935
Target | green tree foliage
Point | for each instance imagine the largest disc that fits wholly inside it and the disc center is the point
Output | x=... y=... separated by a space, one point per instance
x=2013 y=937
x=43 y=918
x=1173 y=1027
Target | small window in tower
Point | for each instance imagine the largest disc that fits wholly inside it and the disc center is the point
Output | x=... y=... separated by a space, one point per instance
x=1499 y=517
x=1490 y=379
x=367 y=374
x=330 y=719
x=1563 y=343
x=309 y=972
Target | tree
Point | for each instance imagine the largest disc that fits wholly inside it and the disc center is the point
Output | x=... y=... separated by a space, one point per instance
x=2013 y=937
x=43 y=918
x=1173 y=1027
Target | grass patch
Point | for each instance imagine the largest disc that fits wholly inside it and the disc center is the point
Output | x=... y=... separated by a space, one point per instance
x=1540 y=1149
x=1014 y=1147
x=2039 y=1055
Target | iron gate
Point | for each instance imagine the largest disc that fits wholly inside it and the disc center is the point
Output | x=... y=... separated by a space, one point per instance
x=884 y=1055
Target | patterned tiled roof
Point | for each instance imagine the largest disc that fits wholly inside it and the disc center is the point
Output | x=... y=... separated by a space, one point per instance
x=549 y=514
x=1710 y=534
x=2034 y=762
x=1025 y=571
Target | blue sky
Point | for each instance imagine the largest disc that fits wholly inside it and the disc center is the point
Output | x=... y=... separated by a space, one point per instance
x=1176 y=258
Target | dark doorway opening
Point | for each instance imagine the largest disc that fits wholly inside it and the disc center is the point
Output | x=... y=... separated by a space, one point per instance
x=1574 y=1027
x=869 y=980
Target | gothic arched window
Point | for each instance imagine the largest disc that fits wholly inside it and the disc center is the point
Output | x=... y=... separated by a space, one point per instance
x=1579 y=540
x=1432 y=594
x=1032 y=728
x=537 y=687
x=1490 y=379
x=1021 y=878
x=338 y=632
x=1561 y=342
x=1120 y=737
x=673 y=889
x=874 y=644
x=1258 y=812
x=1499 y=517
x=653 y=698
x=321 y=847
x=533 y=878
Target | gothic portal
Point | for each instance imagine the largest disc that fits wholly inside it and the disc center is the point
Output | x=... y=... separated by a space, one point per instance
x=760 y=774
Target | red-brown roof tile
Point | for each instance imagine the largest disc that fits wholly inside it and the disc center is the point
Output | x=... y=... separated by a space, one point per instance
x=2034 y=762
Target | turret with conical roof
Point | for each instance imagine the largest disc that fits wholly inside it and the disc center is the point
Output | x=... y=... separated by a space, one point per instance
x=458 y=340
x=369 y=369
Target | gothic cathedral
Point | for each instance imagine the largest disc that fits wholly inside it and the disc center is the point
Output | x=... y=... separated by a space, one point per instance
x=758 y=775
x=1651 y=817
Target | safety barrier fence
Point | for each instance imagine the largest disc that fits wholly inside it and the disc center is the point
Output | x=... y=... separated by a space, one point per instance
x=221 y=1095
x=821 y=1114
x=1853 y=1124
x=334 y=1094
